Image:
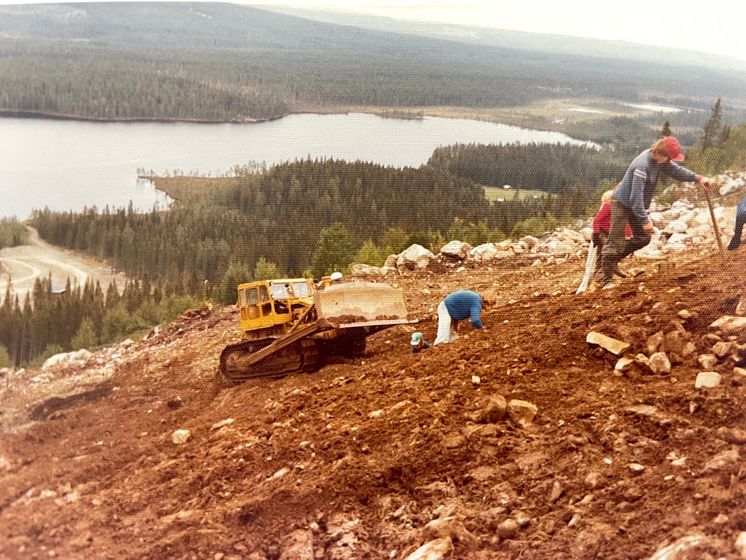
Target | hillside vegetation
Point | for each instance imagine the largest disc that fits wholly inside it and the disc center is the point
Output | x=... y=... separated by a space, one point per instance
x=228 y=62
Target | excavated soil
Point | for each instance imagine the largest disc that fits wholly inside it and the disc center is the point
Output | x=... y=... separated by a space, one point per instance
x=354 y=460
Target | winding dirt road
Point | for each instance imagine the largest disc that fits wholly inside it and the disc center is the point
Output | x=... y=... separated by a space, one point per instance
x=22 y=265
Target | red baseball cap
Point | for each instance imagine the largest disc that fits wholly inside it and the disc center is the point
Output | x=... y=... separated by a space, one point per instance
x=673 y=148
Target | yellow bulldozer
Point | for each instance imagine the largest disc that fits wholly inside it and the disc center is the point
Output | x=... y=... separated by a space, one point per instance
x=291 y=325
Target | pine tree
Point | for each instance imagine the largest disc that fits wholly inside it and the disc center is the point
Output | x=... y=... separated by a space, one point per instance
x=85 y=337
x=666 y=130
x=335 y=250
x=712 y=127
x=265 y=270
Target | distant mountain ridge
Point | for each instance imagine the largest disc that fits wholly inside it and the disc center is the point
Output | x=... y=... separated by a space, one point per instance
x=220 y=61
x=523 y=40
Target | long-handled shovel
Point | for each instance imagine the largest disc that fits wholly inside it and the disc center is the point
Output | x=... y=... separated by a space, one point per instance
x=714 y=222
x=590 y=267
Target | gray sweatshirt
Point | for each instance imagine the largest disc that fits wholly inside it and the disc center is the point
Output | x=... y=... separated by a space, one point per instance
x=637 y=188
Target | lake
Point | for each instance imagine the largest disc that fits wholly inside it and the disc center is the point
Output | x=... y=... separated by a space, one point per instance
x=69 y=165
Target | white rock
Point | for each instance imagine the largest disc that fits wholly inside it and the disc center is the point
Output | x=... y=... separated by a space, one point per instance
x=636 y=468
x=722 y=349
x=677 y=548
x=359 y=269
x=298 y=546
x=484 y=252
x=654 y=342
x=729 y=324
x=642 y=409
x=678 y=226
x=521 y=412
x=456 y=250
x=56 y=360
x=529 y=241
x=414 y=257
x=558 y=247
x=616 y=347
x=222 y=423
x=623 y=364
x=180 y=436
x=707 y=361
x=659 y=363
x=280 y=474
x=391 y=261
x=4 y=464
x=707 y=380
x=434 y=550
x=721 y=460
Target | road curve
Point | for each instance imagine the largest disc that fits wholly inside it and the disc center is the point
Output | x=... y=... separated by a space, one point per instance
x=22 y=265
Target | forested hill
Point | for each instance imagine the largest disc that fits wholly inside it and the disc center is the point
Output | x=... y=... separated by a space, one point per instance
x=216 y=61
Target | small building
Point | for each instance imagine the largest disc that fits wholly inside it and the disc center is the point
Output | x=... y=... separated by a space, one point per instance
x=58 y=291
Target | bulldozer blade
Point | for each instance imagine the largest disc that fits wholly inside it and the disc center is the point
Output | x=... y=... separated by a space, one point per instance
x=361 y=304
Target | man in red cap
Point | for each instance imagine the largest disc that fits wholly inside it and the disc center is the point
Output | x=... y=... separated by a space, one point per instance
x=632 y=197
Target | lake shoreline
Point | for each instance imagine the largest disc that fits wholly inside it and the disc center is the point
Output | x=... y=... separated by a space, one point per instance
x=14 y=114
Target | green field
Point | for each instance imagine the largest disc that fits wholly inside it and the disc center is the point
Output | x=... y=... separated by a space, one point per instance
x=495 y=193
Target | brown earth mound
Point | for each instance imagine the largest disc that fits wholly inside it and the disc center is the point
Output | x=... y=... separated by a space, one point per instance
x=376 y=457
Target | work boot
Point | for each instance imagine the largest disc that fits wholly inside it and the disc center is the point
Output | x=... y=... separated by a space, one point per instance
x=607 y=267
x=618 y=271
x=734 y=244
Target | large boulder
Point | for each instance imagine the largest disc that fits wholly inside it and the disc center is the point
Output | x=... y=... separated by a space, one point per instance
x=677 y=226
x=456 y=250
x=484 y=252
x=414 y=257
x=67 y=359
x=529 y=241
x=490 y=251
x=391 y=261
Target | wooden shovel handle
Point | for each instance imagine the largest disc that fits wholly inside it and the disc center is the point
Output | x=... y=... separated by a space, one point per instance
x=714 y=222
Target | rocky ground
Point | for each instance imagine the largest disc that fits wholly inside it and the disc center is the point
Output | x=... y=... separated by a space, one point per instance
x=522 y=440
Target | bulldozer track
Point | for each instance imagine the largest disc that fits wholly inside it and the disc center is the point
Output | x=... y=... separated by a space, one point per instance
x=270 y=357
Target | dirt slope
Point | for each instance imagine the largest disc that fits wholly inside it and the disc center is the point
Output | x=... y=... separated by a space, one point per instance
x=355 y=460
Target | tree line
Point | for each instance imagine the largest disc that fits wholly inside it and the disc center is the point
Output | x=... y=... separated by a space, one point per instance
x=46 y=323
x=547 y=167
x=12 y=233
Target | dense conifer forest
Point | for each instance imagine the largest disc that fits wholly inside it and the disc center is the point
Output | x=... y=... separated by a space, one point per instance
x=229 y=62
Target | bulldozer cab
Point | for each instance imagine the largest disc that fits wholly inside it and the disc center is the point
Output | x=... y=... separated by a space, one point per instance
x=267 y=307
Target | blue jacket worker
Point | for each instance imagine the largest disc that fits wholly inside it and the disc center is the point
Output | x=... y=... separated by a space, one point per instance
x=456 y=307
x=632 y=197
x=418 y=343
x=735 y=243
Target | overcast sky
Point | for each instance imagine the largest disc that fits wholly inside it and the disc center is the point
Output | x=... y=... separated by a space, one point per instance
x=715 y=26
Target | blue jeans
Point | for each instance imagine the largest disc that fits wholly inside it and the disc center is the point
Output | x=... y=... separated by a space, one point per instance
x=740 y=221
